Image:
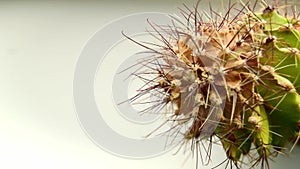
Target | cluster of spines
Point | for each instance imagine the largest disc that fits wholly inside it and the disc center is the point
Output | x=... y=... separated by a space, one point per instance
x=236 y=79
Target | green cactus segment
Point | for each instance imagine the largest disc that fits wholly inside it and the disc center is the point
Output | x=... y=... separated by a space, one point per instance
x=280 y=50
x=284 y=118
x=274 y=21
x=237 y=143
x=289 y=36
x=272 y=123
x=282 y=104
x=286 y=61
x=257 y=130
x=263 y=135
x=281 y=45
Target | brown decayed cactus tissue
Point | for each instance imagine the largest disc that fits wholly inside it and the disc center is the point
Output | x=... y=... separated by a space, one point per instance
x=234 y=78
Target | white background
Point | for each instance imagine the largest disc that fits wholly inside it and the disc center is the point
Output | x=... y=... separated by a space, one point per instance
x=40 y=42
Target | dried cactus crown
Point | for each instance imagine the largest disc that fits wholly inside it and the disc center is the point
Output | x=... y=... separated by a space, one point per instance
x=235 y=78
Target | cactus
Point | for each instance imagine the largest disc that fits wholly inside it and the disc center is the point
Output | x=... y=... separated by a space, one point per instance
x=235 y=78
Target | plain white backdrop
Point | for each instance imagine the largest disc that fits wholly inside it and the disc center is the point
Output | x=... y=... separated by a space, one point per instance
x=40 y=42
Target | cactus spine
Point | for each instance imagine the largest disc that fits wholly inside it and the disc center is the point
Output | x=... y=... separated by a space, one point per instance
x=235 y=78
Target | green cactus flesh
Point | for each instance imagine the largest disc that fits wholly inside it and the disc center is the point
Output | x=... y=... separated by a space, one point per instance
x=255 y=58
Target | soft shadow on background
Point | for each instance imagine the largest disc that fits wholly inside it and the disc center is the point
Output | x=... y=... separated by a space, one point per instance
x=40 y=42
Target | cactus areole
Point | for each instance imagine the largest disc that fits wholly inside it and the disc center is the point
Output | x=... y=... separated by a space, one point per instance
x=232 y=77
